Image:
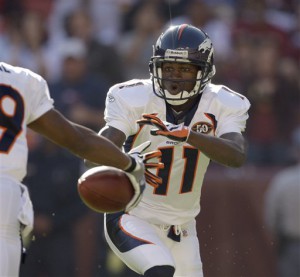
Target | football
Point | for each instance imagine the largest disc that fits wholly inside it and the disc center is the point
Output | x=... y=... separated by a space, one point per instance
x=105 y=189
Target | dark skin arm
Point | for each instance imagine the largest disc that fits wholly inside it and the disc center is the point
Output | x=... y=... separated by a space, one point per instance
x=230 y=149
x=112 y=134
x=79 y=140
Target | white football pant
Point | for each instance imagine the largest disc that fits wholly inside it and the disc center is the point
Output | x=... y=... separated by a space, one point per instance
x=10 y=242
x=144 y=245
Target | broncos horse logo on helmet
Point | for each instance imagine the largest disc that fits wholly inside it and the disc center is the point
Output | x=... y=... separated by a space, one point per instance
x=182 y=44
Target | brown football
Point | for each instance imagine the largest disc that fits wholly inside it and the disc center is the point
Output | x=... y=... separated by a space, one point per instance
x=105 y=189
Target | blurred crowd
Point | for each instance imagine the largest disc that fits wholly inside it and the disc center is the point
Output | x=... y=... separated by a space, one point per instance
x=82 y=47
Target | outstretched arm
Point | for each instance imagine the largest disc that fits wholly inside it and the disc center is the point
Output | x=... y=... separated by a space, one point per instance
x=229 y=149
x=79 y=140
x=87 y=144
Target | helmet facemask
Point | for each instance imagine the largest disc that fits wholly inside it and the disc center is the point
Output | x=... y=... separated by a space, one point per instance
x=183 y=95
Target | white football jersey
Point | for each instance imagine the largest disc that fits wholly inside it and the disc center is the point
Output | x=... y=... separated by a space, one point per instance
x=219 y=111
x=24 y=97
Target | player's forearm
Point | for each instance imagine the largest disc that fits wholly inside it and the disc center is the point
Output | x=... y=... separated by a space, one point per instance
x=220 y=150
x=107 y=154
x=98 y=149
x=113 y=135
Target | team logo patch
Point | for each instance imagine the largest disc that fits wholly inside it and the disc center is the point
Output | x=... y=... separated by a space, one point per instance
x=202 y=127
x=111 y=98
x=171 y=142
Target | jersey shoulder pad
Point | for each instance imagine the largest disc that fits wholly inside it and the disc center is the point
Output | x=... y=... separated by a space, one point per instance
x=23 y=73
x=134 y=84
x=134 y=91
x=229 y=98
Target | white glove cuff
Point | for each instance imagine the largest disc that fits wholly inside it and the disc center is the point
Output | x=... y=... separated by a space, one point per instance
x=137 y=193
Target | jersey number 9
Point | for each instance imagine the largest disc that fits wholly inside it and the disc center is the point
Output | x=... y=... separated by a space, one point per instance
x=11 y=117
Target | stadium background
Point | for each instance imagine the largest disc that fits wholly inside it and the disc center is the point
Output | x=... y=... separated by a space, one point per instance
x=82 y=47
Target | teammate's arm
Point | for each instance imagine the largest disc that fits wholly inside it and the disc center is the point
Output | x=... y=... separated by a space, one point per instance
x=80 y=140
x=118 y=138
x=113 y=135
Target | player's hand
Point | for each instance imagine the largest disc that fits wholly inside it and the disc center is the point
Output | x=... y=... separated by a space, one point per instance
x=138 y=172
x=174 y=132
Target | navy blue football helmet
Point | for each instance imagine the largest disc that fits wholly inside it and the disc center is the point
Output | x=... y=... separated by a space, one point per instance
x=182 y=44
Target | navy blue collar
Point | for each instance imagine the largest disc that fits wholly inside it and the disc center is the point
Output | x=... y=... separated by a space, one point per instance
x=185 y=116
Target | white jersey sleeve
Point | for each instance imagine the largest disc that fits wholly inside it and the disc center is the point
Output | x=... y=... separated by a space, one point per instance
x=124 y=107
x=42 y=102
x=24 y=97
x=233 y=110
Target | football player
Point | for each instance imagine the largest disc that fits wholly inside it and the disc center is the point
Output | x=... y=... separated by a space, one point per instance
x=191 y=121
x=25 y=102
